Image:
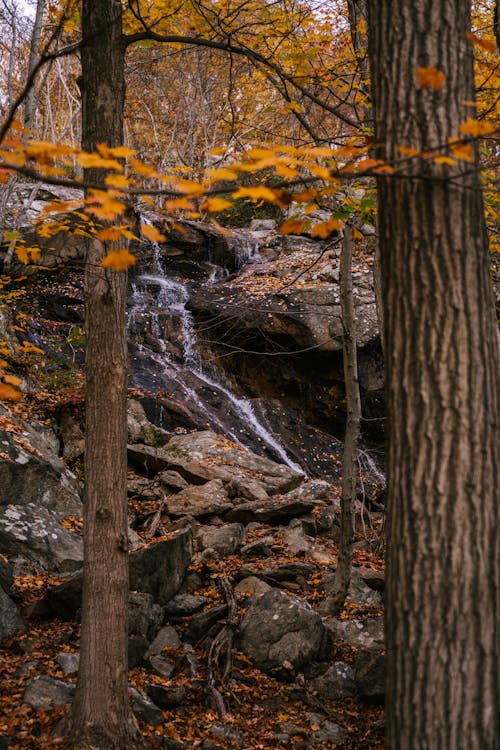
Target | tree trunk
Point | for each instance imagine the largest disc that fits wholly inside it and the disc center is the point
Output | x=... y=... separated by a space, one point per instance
x=31 y=100
x=335 y=602
x=443 y=566
x=102 y=718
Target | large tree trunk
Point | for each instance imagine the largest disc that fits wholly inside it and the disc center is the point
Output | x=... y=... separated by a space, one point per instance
x=102 y=717
x=443 y=567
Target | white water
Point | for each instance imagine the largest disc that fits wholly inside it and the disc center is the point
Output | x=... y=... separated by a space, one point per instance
x=170 y=299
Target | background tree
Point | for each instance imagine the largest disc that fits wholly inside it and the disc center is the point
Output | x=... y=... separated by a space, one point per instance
x=443 y=557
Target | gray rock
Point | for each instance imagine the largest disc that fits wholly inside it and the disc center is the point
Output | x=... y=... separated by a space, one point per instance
x=280 y=509
x=140 y=429
x=200 y=501
x=172 y=480
x=368 y=634
x=370 y=668
x=69 y=662
x=10 y=619
x=72 y=437
x=260 y=548
x=202 y=624
x=223 y=539
x=359 y=592
x=166 y=637
x=6 y=574
x=144 y=707
x=166 y=696
x=144 y=616
x=161 y=666
x=295 y=538
x=44 y=693
x=183 y=605
x=252 y=586
x=145 y=489
x=293 y=571
x=33 y=532
x=337 y=683
x=231 y=737
x=281 y=632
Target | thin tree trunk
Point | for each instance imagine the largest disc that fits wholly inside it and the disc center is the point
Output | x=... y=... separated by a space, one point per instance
x=443 y=554
x=31 y=100
x=335 y=602
x=102 y=717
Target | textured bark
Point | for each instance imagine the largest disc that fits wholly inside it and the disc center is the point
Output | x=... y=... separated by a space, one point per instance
x=443 y=604
x=31 y=99
x=335 y=602
x=102 y=718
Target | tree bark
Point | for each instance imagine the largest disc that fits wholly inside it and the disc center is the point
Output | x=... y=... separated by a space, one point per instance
x=102 y=718
x=443 y=566
x=31 y=99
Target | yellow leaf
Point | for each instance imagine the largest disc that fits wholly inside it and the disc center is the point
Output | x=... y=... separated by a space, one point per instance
x=9 y=393
x=430 y=77
x=89 y=161
x=118 y=152
x=119 y=260
x=182 y=203
x=190 y=187
x=462 y=151
x=152 y=233
x=476 y=128
x=221 y=174
x=325 y=228
x=215 y=204
x=320 y=171
x=117 y=180
x=114 y=233
x=292 y=226
x=293 y=107
x=12 y=380
x=256 y=193
x=485 y=44
x=408 y=151
x=445 y=160
x=143 y=169
x=356 y=234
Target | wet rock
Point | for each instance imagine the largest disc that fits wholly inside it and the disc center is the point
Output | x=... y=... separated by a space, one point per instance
x=279 y=632
x=144 y=707
x=223 y=539
x=10 y=619
x=183 y=605
x=69 y=662
x=44 y=693
x=336 y=683
x=200 y=501
x=140 y=429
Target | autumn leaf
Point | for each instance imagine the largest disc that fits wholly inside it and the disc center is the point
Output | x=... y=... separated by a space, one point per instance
x=94 y=161
x=12 y=380
x=189 y=187
x=325 y=228
x=9 y=393
x=445 y=160
x=478 y=41
x=114 y=233
x=152 y=233
x=118 y=152
x=462 y=151
x=119 y=260
x=475 y=128
x=430 y=77
x=117 y=180
x=215 y=204
x=222 y=173
x=256 y=193
x=293 y=226
x=408 y=151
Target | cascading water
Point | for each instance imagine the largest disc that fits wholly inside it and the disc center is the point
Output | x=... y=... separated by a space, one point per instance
x=164 y=339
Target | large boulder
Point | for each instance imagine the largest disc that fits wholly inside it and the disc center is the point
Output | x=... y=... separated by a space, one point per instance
x=202 y=456
x=282 y=633
x=10 y=619
x=200 y=501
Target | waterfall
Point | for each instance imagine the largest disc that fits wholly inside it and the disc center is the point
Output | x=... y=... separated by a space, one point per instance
x=158 y=303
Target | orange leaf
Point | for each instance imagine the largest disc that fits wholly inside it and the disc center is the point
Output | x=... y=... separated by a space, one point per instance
x=119 y=260
x=9 y=393
x=12 y=380
x=462 y=151
x=476 y=128
x=215 y=204
x=485 y=44
x=325 y=228
x=445 y=160
x=408 y=151
x=256 y=193
x=152 y=233
x=117 y=180
x=293 y=226
x=430 y=77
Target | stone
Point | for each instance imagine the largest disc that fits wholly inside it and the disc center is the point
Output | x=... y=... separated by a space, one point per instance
x=72 y=437
x=251 y=586
x=6 y=574
x=260 y=548
x=295 y=538
x=34 y=533
x=10 y=619
x=200 y=501
x=292 y=571
x=202 y=624
x=172 y=480
x=223 y=539
x=166 y=637
x=336 y=683
x=44 y=693
x=69 y=662
x=144 y=616
x=231 y=737
x=373 y=578
x=370 y=668
x=359 y=592
x=276 y=510
x=166 y=696
x=142 y=488
x=157 y=569
x=136 y=650
x=144 y=707
x=183 y=605
x=280 y=632
x=140 y=429
x=161 y=666
x=367 y=634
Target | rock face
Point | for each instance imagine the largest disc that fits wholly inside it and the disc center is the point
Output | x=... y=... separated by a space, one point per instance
x=10 y=619
x=280 y=632
x=37 y=491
